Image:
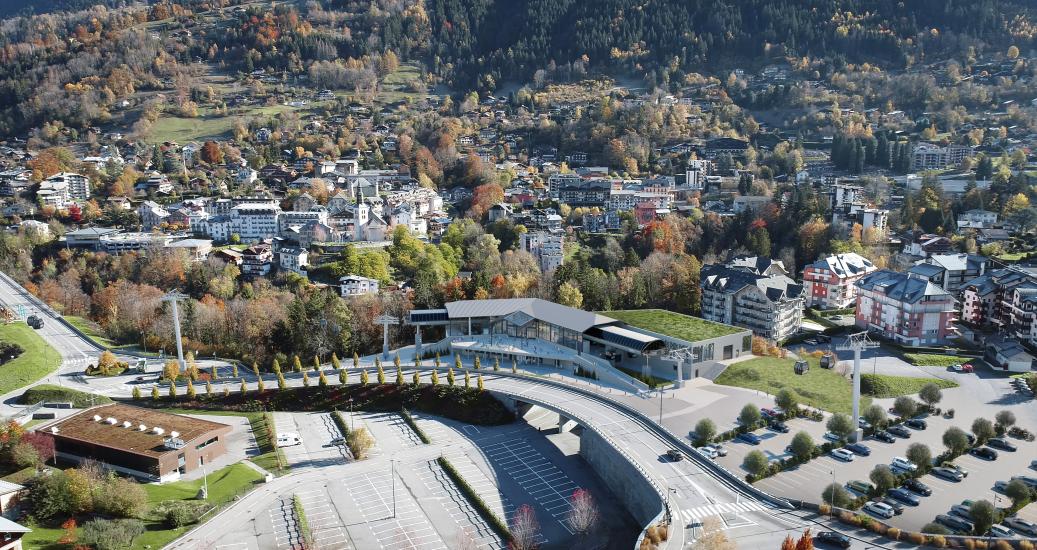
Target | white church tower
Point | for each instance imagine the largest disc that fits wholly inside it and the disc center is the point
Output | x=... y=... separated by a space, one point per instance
x=361 y=217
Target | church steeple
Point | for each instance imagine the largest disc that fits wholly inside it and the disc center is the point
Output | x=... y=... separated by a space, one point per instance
x=360 y=216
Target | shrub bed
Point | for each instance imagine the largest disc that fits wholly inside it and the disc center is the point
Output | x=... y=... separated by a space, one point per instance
x=414 y=426
x=50 y=393
x=480 y=505
x=454 y=402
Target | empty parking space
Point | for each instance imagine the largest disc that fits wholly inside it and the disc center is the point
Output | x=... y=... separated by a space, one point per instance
x=285 y=528
x=550 y=487
x=465 y=516
x=325 y=525
x=391 y=516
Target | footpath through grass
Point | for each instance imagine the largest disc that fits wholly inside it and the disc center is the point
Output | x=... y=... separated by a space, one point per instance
x=819 y=388
x=884 y=385
x=37 y=360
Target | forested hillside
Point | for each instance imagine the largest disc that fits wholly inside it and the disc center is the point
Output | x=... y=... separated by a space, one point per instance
x=514 y=38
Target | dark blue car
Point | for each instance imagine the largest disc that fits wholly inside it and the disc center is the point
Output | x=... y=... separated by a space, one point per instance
x=858 y=449
x=750 y=438
x=903 y=495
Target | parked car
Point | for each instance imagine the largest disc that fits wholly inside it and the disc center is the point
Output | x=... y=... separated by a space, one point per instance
x=832 y=437
x=1002 y=443
x=884 y=436
x=896 y=506
x=337 y=441
x=750 y=438
x=961 y=511
x=955 y=523
x=999 y=486
x=833 y=538
x=903 y=495
x=900 y=431
x=998 y=530
x=779 y=427
x=967 y=368
x=708 y=452
x=1033 y=464
x=1021 y=525
x=859 y=449
x=862 y=487
x=971 y=438
x=902 y=463
x=1029 y=480
x=918 y=487
x=675 y=455
x=879 y=509
x=950 y=474
x=953 y=466
x=917 y=424
x=720 y=449
x=986 y=453
x=842 y=454
x=863 y=424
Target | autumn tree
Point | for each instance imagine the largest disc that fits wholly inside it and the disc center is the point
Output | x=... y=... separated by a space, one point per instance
x=211 y=153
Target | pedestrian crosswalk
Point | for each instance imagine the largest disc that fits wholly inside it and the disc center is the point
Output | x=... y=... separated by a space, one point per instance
x=699 y=513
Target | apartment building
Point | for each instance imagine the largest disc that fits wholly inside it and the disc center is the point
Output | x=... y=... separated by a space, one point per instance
x=831 y=282
x=927 y=156
x=78 y=185
x=986 y=301
x=546 y=246
x=769 y=305
x=257 y=260
x=355 y=285
x=905 y=307
x=950 y=271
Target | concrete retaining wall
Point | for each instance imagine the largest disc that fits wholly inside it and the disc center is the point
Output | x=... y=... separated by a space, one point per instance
x=625 y=481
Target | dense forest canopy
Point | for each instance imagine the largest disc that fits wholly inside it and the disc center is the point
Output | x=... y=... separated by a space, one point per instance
x=513 y=38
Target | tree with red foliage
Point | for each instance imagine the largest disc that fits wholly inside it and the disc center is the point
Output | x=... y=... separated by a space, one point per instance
x=75 y=213
x=806 y=542
x=43 y=443
x=70 y=532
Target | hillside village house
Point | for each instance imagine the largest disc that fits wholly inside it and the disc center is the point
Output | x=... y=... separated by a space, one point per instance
x=355 y=285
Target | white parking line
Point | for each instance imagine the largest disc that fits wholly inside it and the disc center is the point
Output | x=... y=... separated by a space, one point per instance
x=407 y=528
x=548 y=485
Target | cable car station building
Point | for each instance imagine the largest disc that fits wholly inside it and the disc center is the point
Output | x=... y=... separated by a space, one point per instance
x=531 y=331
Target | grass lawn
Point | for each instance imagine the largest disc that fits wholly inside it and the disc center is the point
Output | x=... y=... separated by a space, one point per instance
x=61 y=394
x=652 y=381
x=882 y=385
x=224 y=485
x=675 y=325
x=37 y=361
x=934 y=359
x=818 y=388
x=90 y=328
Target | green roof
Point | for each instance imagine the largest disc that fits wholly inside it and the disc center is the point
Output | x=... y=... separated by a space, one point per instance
x=672 y=324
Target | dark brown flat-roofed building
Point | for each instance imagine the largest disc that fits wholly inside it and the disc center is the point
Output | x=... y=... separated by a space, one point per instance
x=144 y=443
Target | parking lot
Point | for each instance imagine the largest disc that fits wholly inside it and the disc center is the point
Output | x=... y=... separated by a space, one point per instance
x=467 y=519
x=390 y=515
x=315 y=431
x=807 y=481
x=325 y=524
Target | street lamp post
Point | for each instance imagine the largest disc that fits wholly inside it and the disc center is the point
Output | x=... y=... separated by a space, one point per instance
x=352 y=423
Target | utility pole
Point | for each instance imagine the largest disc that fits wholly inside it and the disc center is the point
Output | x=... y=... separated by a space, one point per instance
x=173 y=297
x=393 y=463
x=857 y=343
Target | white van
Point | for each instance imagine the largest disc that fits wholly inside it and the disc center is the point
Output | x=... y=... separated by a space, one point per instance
x=288 y=440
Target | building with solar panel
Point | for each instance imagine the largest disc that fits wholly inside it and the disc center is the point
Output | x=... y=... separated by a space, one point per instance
x=530 y=331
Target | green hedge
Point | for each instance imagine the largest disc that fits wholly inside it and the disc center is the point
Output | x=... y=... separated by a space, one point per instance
x=480 y=505
x=414 y=426
x=304 y=524
x=336 y=416
x=882 y=385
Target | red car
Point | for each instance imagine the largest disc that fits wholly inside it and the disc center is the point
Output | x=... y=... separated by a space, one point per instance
x=967 y=367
